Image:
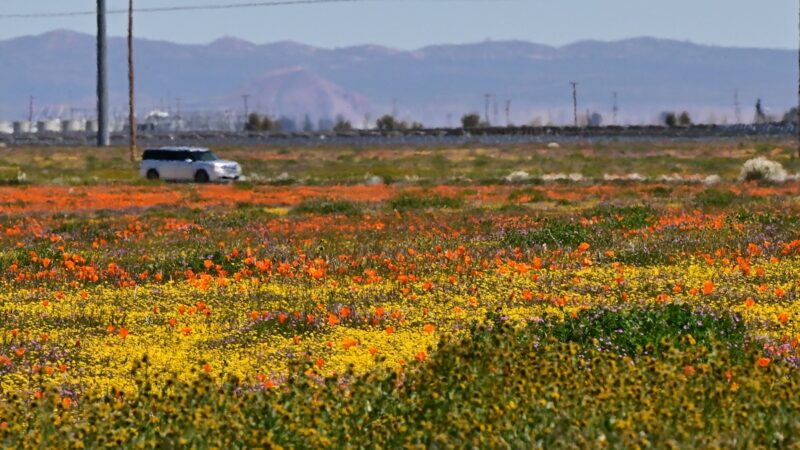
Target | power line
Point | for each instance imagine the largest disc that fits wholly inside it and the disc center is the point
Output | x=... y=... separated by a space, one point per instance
x=208 y=7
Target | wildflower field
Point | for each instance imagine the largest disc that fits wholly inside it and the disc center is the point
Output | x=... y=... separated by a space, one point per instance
x=495 y=315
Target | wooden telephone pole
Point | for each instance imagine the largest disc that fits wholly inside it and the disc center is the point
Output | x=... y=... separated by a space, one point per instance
x=131 y=104
x=575 y=101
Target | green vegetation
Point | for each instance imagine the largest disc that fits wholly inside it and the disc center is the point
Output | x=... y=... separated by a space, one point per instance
x=335 y=165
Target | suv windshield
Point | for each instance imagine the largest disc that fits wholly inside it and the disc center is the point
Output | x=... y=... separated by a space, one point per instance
x=204 y=156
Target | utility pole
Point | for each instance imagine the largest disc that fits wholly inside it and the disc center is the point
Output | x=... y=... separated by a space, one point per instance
x=508 y=113
x=30 y=110
x=575 y=101
x=486 y=107
x=494 y=109
x=131 y=84
x=737 y=109
x=103 y=138
x=615 y=110
x=246 y=98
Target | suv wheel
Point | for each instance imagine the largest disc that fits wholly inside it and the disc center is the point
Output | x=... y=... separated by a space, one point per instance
x=152 y=174
x=201 y=176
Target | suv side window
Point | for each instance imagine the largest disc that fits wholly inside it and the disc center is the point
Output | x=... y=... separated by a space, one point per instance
x=172 y=156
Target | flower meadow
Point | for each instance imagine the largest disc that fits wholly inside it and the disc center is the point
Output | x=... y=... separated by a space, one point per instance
x=611 y=315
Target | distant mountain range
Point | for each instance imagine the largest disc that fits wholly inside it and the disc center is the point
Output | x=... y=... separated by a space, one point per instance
x=435 y=84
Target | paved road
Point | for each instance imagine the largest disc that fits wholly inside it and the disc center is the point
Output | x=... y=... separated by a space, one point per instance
x=422 y=138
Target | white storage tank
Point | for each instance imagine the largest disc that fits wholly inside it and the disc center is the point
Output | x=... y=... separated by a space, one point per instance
x=22 y=127
x=72 y=126
x=48 y=126
x=117 y=126
x=6 y=128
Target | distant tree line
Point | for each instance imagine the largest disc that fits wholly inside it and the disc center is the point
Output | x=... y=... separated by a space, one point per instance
x=258 y=122
x=673 y=120
x=473 y=121
x=387 y=122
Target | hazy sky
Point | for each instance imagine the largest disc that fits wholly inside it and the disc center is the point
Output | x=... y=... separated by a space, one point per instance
x=414 y=23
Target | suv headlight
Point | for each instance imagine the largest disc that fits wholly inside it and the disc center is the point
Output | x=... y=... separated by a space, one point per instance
x=227 y=168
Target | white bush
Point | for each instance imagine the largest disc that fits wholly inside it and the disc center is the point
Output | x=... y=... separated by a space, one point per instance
x=373 y=180
x=283 y=177
x=626 y=177
x=562 y=177
x=519 y=176
x=763 y=169
x=711 y=180
x=575 y=177
x=554 y=177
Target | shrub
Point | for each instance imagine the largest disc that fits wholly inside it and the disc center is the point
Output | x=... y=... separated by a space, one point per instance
x=342 y=125
x=656 y=328
x=714 y=198
x=625 y=217
x=390 y=123
x=470 y=121
x=413 y=200
x=762 y=169
x=326 y=206
x=554 y=232
x=520 y=176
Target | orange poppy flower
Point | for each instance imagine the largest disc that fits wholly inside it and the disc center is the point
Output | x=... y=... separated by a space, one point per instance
x=332 y=319
x=349 y=343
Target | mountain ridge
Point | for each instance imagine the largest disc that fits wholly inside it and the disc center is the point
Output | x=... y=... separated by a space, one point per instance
x=434 y=84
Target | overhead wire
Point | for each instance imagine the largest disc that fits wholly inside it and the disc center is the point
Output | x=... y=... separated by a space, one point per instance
x=206 y=7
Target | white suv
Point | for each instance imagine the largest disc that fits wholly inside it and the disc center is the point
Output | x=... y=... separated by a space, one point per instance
x=187 y=164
